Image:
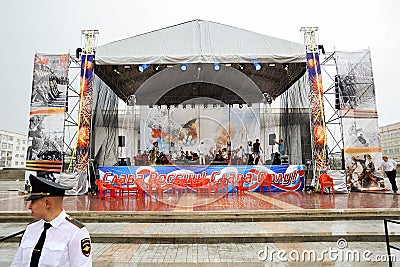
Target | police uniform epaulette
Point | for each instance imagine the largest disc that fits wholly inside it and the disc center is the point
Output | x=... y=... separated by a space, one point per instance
x=75 y=222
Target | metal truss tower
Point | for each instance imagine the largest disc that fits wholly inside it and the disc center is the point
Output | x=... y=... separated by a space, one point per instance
x=88 y=47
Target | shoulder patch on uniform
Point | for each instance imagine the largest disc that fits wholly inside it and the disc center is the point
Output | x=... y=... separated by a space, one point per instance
x=75 y=222
x=86 y=247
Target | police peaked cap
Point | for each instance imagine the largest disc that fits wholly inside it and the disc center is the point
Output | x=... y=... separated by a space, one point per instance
x=41 y=187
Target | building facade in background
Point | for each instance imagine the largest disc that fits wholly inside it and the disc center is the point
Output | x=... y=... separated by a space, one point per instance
x=13 y=149
x=390 y=140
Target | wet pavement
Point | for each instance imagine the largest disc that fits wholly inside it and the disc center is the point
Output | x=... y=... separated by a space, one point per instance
x=273 y=232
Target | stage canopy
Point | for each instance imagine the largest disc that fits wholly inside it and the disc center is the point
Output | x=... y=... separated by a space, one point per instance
x=200 y=44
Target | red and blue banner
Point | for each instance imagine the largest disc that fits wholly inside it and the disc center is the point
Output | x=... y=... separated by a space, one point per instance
x=283 y=177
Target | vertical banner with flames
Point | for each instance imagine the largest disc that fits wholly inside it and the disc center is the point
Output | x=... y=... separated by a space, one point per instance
x=317 y=106
x=86 y=90
x=46 y=121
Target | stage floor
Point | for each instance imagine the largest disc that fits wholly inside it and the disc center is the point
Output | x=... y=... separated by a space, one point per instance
x=11 y=201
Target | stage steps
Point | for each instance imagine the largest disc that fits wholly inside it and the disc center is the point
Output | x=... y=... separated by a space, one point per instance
x=218 y=216
x=231 y=232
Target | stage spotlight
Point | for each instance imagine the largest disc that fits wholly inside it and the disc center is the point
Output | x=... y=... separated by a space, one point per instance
x=216 y=66
x=156 y=67
x=115 y=69
x=184 y=67
x=257 y=65
x=241 y=66
x=230 y=105
x=321 y=47
x=240 y=105
x=205 y=106
x=249 y=105
x=193 y=105
x=184 y=106
x=176 y=105
x=285 y=67
x=78 y=52
x=168 y=107
x=271 y=65
x=159 y=106
x=141 y=68
x=214 y=105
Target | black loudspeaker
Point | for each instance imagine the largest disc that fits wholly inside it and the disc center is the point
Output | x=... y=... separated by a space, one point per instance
x=343 y=160
x=121 y=141
x=271 y=139
x=337 y=91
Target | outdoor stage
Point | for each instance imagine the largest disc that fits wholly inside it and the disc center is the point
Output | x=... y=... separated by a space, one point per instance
x=171 y=102
x=250 y=206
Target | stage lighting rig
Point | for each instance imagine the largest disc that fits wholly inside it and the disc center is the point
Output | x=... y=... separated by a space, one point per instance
x=142 y=67
x=131 y=101
x=156 y=67
x=115 y=69
x=216 y=66
x=285 y=67
x=241 y=66
x=257 y=65
x=321 y=47
x=267 y=98
x=78 y=52
x=184 y=67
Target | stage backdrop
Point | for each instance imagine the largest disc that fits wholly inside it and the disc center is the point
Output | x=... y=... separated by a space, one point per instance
x=46 y=122
x=284 y=177
x=177 y=128
x=360 y=118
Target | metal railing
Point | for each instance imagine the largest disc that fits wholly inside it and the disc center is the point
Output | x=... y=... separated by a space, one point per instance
x=11 y=236
x=388 y=246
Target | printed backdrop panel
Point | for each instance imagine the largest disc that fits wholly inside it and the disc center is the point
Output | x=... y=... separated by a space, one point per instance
x=46 y=122
x=362 y=148
x=179 y=128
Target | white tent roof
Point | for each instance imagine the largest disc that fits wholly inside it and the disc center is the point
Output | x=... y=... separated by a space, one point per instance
x=199 y=41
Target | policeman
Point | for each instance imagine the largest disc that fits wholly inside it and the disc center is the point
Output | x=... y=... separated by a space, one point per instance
x=54 y=239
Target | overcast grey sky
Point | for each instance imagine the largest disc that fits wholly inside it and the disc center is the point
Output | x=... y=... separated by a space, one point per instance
x=54 y=26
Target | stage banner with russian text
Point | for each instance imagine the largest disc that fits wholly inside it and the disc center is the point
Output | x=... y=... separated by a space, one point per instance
x=362 y=147
x=217 y=178
x=46 y=121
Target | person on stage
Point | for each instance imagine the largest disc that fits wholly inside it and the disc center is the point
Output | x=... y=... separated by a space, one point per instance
x=54 y=239
x=257 y=151
x=202 y=153
x=154 y=153
x=281 y=148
